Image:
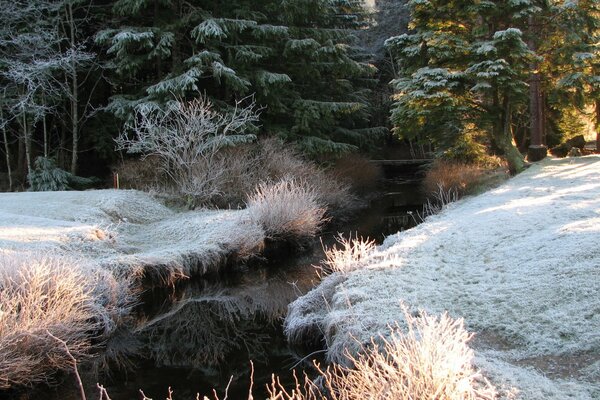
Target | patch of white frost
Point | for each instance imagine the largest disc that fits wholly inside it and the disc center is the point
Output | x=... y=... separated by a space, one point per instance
x=124 y=229
x=520 y=264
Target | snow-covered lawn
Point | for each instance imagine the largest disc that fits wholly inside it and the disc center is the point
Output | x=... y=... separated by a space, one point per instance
x=126 y=230
x=521 y=265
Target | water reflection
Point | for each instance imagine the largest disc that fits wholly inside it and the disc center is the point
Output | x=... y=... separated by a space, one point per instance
x=209 y=322
x=197 y=335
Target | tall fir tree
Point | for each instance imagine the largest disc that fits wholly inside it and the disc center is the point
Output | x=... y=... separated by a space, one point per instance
x=483 y=65
x=295 y=56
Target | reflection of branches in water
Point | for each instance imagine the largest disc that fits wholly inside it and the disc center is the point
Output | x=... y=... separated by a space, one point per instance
x=201 y=332
x=208 y=322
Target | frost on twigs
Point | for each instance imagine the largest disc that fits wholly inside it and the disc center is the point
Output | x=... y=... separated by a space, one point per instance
x=287 y=210
x=51 y=310
x=188 y=137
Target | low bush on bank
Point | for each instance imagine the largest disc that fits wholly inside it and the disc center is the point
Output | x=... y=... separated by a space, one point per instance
x=452 y=177
x=287 y=210
x=51 y=311
x=234 y=173
x=209 y=157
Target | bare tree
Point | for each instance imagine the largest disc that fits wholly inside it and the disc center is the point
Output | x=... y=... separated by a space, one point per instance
x=187 y=137
x=33 y=63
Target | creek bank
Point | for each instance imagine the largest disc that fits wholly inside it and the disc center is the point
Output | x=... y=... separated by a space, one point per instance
x=519 y=264
x=128 y=232
x=125 y=237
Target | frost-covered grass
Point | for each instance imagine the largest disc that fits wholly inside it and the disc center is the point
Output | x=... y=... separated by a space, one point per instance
x=127 y=231
x=287 y=209
x=52 y=309
x=347 y=254
x=519 y=264
x=428 y=359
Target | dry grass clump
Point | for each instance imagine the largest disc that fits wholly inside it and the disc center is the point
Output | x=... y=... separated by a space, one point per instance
x=288 y=209
x=428 y=360
x=52 y=311
x=278 y=161
x=454 y=177
x=347 y=255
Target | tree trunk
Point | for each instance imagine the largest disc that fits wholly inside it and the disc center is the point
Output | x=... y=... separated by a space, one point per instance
x=537 y=150
x=74 y=94
x=27 y=139
x=7 y=151
x=598 y=125
x=502 y=134
x=45 y=137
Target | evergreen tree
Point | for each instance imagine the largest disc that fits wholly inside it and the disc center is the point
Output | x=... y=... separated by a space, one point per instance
x=463 y=67
x=572 y=62
x=293 y=55
x=482 y=66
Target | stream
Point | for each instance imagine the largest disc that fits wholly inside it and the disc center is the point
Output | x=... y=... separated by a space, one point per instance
x=202 y=333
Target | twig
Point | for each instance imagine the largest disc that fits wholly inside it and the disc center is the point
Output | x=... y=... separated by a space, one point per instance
x=79 y=382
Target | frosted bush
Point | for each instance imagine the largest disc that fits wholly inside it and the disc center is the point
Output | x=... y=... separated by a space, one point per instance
x=288 y=209
x=45 y=301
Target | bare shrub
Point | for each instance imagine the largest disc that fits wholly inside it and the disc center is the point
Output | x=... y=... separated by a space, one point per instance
x=347 y=255
x=43 y=299
x=453 y=177
x=430 y=359
x=288 y=209
x=187 y=138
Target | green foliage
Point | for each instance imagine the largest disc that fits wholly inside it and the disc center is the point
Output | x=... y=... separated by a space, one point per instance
x=296 y=56
x=46 y=176
x=468 y=65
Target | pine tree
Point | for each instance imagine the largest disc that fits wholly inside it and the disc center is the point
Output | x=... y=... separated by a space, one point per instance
x=293 y=55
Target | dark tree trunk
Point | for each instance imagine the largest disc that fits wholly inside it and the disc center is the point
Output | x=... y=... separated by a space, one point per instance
x=537 y=149
x=598 y=125
x=503 y=137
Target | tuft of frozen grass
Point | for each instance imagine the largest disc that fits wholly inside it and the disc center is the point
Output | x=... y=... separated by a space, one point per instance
x=448 y=176
x=429 y=359
x=288 y=209
x=347 y=255
x=53 y=309
x=437 y=201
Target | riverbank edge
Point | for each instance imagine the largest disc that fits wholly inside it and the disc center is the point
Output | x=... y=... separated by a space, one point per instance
x=346 y=310
x=132 y=240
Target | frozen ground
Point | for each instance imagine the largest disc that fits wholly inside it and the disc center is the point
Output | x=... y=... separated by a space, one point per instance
x=521 y=265
x=126 y=230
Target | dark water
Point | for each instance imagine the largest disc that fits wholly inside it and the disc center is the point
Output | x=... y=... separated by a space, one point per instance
x=203 y=333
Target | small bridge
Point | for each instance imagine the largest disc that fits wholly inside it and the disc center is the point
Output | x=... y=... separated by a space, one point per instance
x=402 y=163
